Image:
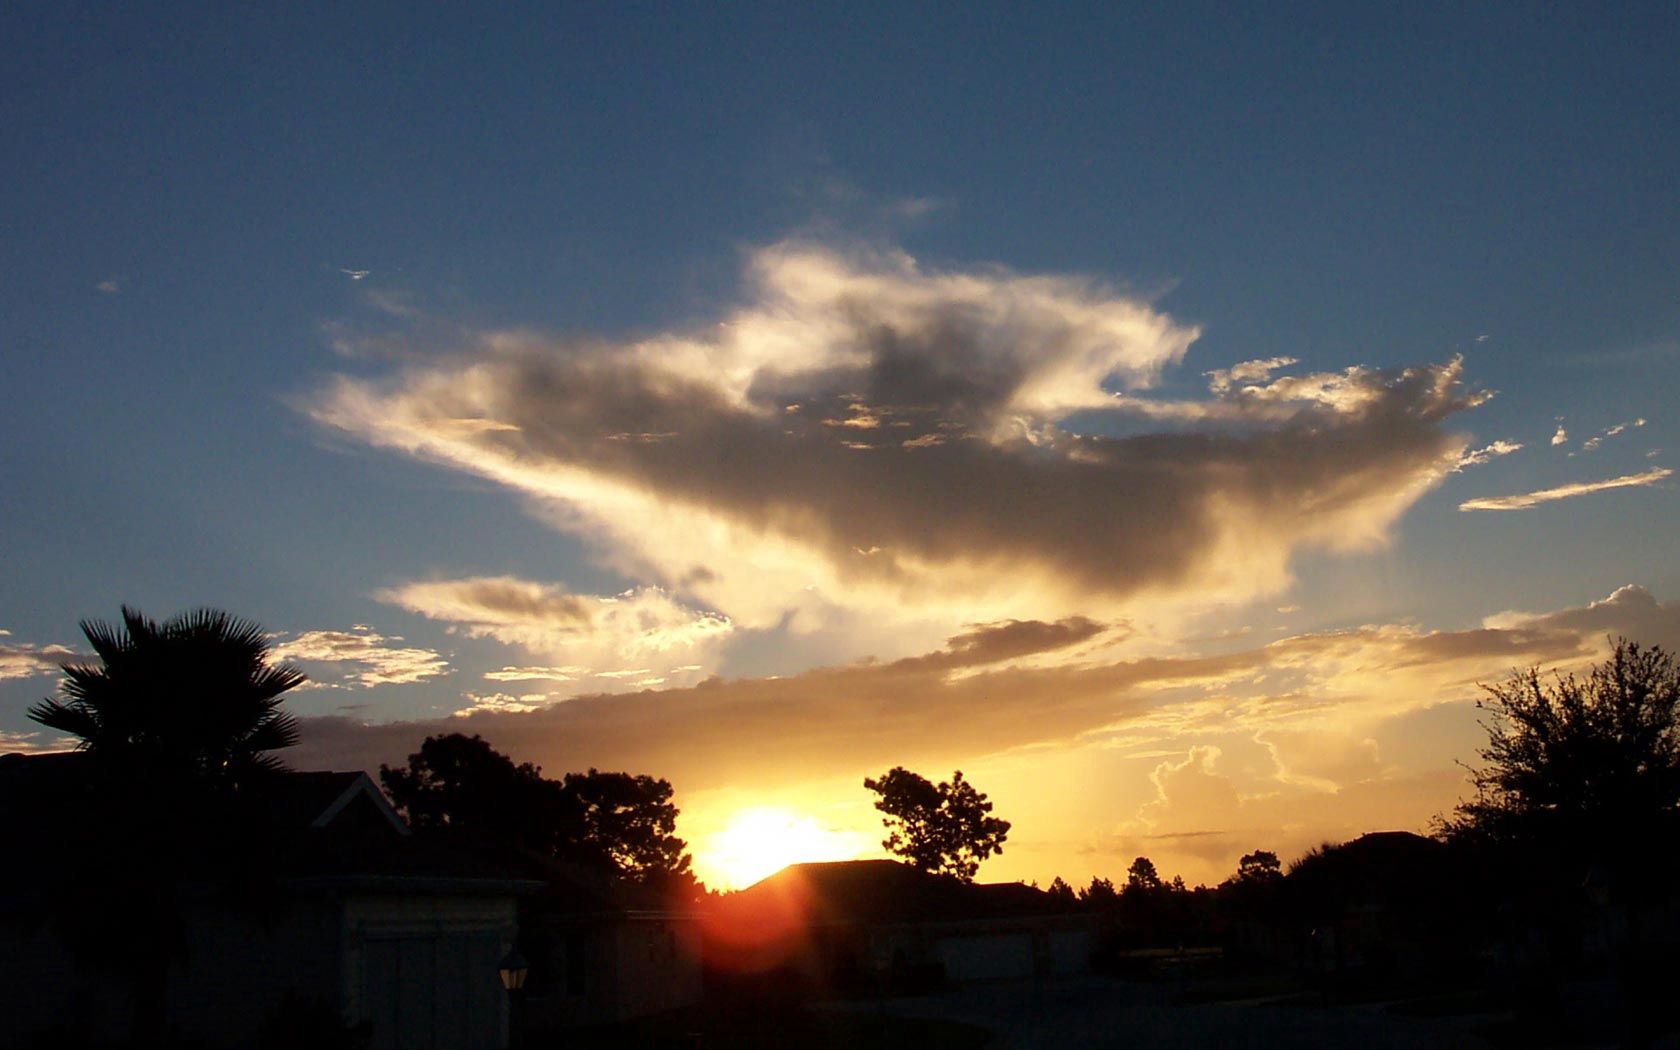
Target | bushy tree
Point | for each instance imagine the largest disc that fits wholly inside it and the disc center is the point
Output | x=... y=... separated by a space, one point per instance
x=630 y=823
x=1587 y=768
x=943 y=828
x=1260 y=867
x=617 y=821
x=1099 y=894
x=461 y=785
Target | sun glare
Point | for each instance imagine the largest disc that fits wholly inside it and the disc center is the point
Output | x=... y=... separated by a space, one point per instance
x=763 y=840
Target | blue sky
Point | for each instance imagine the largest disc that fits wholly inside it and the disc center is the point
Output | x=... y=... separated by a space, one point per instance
x=211 y=224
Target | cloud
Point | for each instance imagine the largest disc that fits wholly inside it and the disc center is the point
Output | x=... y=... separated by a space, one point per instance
x=109 y=287
x=631 y=637
x=23 y=660
x=28 y=742
x=1560 y=436
x=869 y=439
x=1481 y=455
x=1524 y=500
x=1609 y=432
x=375 y=659
x=989 y=691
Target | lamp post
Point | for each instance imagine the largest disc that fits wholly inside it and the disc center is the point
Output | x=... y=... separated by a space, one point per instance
x=513 y=970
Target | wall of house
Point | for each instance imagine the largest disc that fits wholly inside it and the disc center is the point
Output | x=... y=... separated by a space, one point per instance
x=657 y=966
x=609 y=969
x=423 y=969
x=245 y=971
x=986 y=956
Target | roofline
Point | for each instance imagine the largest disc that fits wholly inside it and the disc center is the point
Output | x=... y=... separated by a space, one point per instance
x=362 y=784
x=419 y=884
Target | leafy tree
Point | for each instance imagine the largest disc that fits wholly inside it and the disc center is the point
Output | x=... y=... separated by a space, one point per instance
x=1099 y=894
x=631 y=823
x=1142 y=877
x=462 y=786
x=1260 y=867
x=194 y=698
x=1581 y=768
x=944 y=828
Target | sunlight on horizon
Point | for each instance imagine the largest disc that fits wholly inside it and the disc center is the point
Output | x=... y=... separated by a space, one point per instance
x=761 y=840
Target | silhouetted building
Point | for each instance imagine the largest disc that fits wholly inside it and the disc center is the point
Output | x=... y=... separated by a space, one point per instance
x=852 y=924
x=354 y=921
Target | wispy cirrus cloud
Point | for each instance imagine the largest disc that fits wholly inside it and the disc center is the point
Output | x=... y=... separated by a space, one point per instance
x=870 y=440
x=1476 y=457
x=374 y=659
x=1607 y=433
x=1524 y=500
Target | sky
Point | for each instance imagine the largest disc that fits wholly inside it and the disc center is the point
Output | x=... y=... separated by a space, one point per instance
x=1166 y=418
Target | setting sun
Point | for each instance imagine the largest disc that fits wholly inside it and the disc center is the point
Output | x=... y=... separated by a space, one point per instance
x=763 y=840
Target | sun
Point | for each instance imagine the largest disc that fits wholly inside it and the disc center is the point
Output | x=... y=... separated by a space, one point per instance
x=762 y=840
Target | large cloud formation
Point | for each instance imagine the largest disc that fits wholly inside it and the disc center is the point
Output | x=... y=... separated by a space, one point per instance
x=986 y=691
x=867 y=437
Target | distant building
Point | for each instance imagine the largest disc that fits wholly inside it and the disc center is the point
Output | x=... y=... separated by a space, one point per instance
x=850 y=924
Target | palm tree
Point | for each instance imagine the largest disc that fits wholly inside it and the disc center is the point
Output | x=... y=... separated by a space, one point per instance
x=194 y=697
x=177 y=720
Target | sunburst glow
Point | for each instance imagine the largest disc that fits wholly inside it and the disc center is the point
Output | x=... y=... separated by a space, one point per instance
x=763 y=840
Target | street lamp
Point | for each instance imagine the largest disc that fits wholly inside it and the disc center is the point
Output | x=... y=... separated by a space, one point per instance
x=513 y=970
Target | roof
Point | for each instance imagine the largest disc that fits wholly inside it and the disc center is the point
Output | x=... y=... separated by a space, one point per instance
x=322 y=829
x=886 y=891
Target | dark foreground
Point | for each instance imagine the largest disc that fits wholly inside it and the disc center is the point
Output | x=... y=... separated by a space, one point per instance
x=1101 y=1012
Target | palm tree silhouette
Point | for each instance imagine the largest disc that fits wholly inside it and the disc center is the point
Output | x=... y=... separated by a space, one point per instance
x=176 y=721
x=194 y=697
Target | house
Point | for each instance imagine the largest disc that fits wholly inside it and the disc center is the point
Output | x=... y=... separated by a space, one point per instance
x=851 y=924
x=603 y=951
x=342 y=918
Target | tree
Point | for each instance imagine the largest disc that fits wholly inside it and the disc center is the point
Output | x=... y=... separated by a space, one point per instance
x=631 y=823
x=178 y=720
x=460 y=785
x=943 y=828
x=1142 y=877
x=194 y=698
x=1259 y=868
x=1582 y=769
x=1061 y=893
x=1099 y=894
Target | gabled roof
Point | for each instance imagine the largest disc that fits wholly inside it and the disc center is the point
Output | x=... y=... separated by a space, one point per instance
x=294 y=800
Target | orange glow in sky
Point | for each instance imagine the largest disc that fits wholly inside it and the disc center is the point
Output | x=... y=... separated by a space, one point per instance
x=761 y=840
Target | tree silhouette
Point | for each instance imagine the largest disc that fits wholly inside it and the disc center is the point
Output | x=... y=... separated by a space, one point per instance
x=1582 y=767
x=630 y=822
x=1260 y=867
x=1142 y=876
x=461 y=786
x=177 y=720
x=1099 y=894
x=194 y=697
x=943 y=828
